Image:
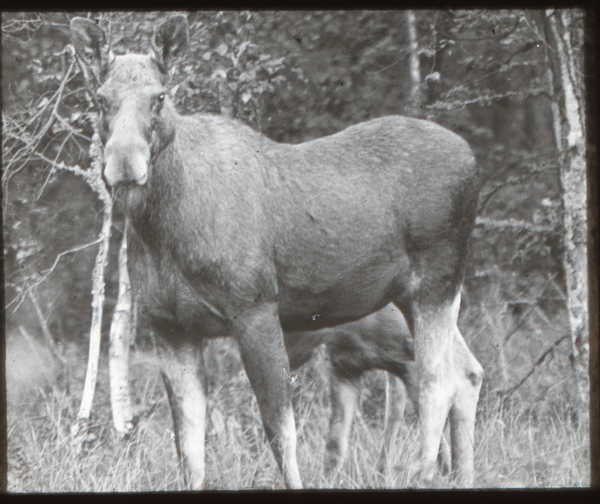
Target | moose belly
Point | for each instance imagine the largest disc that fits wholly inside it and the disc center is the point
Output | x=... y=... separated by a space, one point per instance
x=315 y=304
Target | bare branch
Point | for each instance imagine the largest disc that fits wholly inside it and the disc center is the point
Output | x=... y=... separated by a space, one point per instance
x=52 y=169
x=46 y=330
x=511 y=181
x=500 y=36
x=94 y=180
x=32 y=344
x=70 y=251
x=550 y=351
x=45 y=274
x=533 y=306
x=485 y=100
x=511 y=224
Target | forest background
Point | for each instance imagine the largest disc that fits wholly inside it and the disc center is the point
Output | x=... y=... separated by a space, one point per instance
x=493 y=77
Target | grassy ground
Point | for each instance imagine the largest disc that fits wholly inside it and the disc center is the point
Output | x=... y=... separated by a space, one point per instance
x=543 y=444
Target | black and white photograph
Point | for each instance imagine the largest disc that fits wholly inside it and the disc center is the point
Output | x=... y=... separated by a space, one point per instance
x=297 y=249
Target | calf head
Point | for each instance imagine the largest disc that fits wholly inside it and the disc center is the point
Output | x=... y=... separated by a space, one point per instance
x=136 y=117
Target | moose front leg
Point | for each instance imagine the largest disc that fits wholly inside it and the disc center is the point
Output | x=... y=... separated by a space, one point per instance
x=263 y=352
x=182 y=369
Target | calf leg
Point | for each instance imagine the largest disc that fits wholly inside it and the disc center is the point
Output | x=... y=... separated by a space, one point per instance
x=445 y=456
x=183 y=374
x=263 y=352
x=469 y=376
x=344 y=396
x=395 y=403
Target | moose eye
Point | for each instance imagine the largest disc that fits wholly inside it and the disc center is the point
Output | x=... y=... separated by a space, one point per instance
x=161 y=98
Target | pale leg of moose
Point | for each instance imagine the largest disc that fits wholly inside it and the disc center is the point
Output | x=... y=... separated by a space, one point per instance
x=260 y=339
x=434 y=339
x=469 y=377
x=290 y=470
x=183 y=374
x=344 y=400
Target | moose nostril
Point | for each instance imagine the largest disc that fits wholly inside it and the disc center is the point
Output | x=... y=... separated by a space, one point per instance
x=128 y=183
x=127 y=164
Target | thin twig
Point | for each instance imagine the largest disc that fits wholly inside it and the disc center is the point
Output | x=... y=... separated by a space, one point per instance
x=512 y=224
x=514 y=181
x=49 y=176
x=487 y=37
x=45 y=274
x=485 y=99
x=70 y=251
x=46 y=330
x=540 y=361
x=533 y=305
x=32 y=344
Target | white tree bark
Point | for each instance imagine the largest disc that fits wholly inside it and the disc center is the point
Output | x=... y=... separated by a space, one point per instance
x=120 y=333
x=569 y=126
x=94 y=179
x=415 y=69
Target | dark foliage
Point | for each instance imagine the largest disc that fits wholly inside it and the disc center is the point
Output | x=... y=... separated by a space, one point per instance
x=297 y=76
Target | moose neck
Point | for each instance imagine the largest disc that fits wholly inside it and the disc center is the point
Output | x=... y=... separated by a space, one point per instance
x=160 y=210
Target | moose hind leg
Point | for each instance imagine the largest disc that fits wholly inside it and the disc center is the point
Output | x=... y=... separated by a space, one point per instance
x=263 y=353
x=410 y=379
x=182 y=370
x=469 y=376
x=434 y=337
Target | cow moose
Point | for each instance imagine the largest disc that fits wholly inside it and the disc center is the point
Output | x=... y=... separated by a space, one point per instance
x=233 y=234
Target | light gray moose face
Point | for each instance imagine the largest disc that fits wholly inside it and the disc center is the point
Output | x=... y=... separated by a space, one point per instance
x=132 y=101
x=136 y=116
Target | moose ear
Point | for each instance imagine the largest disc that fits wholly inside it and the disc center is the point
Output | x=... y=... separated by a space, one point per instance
x=90 y=44
x=170 y=40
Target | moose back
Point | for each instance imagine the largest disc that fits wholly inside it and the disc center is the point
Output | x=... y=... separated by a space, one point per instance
x=233 y=234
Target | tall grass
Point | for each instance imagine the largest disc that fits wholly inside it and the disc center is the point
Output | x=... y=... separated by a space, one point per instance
x=540 y=444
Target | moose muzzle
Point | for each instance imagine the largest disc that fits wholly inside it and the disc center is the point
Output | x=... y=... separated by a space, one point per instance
x=126 y=161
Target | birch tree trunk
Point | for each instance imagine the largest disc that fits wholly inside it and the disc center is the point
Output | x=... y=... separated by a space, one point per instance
x=120 y=333
x=415 y=69
x=569 y=127
x=94 y=179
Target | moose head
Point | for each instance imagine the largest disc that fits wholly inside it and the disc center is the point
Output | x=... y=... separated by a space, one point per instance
x=135 y=110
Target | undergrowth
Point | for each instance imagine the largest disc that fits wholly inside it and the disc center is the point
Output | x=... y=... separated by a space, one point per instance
x=544 y=444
